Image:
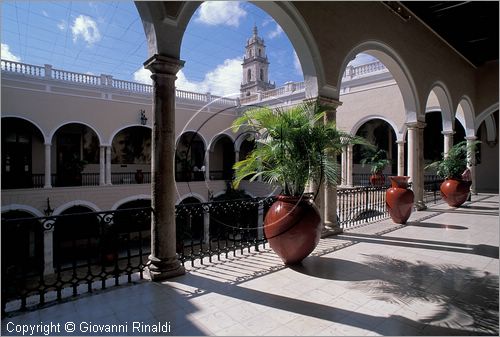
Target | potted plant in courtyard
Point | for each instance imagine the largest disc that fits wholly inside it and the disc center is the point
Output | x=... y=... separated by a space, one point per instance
x=295 y=148
x=378 y=161
x=453 y=168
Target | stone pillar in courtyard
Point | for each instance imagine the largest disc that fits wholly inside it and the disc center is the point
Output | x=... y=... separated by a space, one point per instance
x=416 y=161
x=330 y=191
x=448 y=141
x=163 y=262
x=48 y=174
x=401 y=157
x=108 y=165
x=102 y=165
x=349 y=165
x=343 y=163
x=471 y=162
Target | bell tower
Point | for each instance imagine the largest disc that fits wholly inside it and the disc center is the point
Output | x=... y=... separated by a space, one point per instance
x=255 y=67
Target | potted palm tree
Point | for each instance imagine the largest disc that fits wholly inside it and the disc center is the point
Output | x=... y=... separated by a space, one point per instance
x=378 y=161
x=294 y=148
x=453 y=168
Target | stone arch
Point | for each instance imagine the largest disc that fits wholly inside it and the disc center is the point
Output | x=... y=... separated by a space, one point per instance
x=465 y=115
x=130 y=198
x=443 y=97
x=485 y=114
x=365 y=119
x=190 y=195
x=164 y=24
x=398 y=69
x=72 y=203
x=131 y=148
x=120 y=129
x=193 y=131
x=54 y=130
x=218 y=137
x=24 y=208
x=47 y=140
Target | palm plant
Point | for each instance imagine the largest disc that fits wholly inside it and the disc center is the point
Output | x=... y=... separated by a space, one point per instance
x=454 y=164
x=294 y=147
x=377 y=159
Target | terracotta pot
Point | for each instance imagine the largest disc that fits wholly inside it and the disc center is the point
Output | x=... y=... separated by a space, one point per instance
x=377 y=179
x=293 y=228
x=455 y=192
x=399 y=199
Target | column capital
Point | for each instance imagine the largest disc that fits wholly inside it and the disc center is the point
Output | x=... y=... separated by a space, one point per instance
x=160 y=64
x=448 y=133
x=400 y=142
x=470 y=138
x=416 y=125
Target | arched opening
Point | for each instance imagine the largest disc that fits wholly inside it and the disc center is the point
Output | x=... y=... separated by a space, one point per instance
x=22 y=154
x=132 y=225
x=433 y=138
x=77 y=150
x=131 y=156
x=222 y=159
x=22 y=246
x=380 y=134
x=190 y=158
x=487 y=158
x=77 y=236
x=189 y=224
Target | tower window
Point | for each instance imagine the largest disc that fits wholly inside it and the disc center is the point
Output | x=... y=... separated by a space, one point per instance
x=262 y=75
x=249 y=75
x=259 y=52
x=250 y=52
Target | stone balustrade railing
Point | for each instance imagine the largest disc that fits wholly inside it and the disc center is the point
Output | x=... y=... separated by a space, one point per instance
x=108 y=81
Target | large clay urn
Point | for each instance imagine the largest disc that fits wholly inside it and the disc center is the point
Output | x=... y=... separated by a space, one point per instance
x=399 y=199
x=377 y=179
x=293 y=228
x=455 y=192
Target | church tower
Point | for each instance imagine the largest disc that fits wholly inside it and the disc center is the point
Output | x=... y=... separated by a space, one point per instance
x=255 y=67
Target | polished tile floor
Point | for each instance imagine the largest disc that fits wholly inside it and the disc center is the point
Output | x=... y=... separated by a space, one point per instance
x=438 y=275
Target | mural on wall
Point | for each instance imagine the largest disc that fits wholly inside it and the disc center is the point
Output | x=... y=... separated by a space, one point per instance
x=132 y=146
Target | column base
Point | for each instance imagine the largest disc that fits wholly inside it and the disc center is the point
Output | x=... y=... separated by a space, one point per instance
x=330 y=229
x=420 y=206
x=161 y=269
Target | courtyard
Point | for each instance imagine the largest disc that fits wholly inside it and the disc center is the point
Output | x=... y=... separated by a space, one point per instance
x=436 y=275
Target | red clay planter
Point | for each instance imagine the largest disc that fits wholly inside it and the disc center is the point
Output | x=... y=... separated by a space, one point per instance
x=293 y=228
x=377 y=179
x=399 y=199
x=455 y=192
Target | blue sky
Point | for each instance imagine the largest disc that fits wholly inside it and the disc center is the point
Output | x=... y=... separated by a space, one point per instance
x=106 y=37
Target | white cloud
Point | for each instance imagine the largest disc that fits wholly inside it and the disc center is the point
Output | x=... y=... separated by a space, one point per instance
x=361 y=59
x=86 y=28
x=61 y=25
x=226 y=13
x=224 y=80
x=7 y=54
x=296 y=63
x=45 y=13
x=275 y=33
x=143 y=75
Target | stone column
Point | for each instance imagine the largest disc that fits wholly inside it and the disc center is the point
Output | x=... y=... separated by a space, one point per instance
x=260 y=221
x=207 y=165
x=343 y=163
x=163 y=262
x=401 y=157
x=471 y=162
x=330 y=191
x=206 y=227
x=48 y=173
x=102 y=165
x=108 y=165
x=349 y=165
x=416 y=162
x=448 y=141
x=48 y=252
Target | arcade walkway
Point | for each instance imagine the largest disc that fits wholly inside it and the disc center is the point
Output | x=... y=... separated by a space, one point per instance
x=438 y=275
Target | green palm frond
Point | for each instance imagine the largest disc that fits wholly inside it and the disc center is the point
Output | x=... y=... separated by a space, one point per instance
x=295 y=146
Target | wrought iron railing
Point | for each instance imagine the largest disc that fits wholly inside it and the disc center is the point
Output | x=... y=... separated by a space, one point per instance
x=221 y=175
x=122 y=178
x=360 y=205
x=432 y=183
x=46 y=259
